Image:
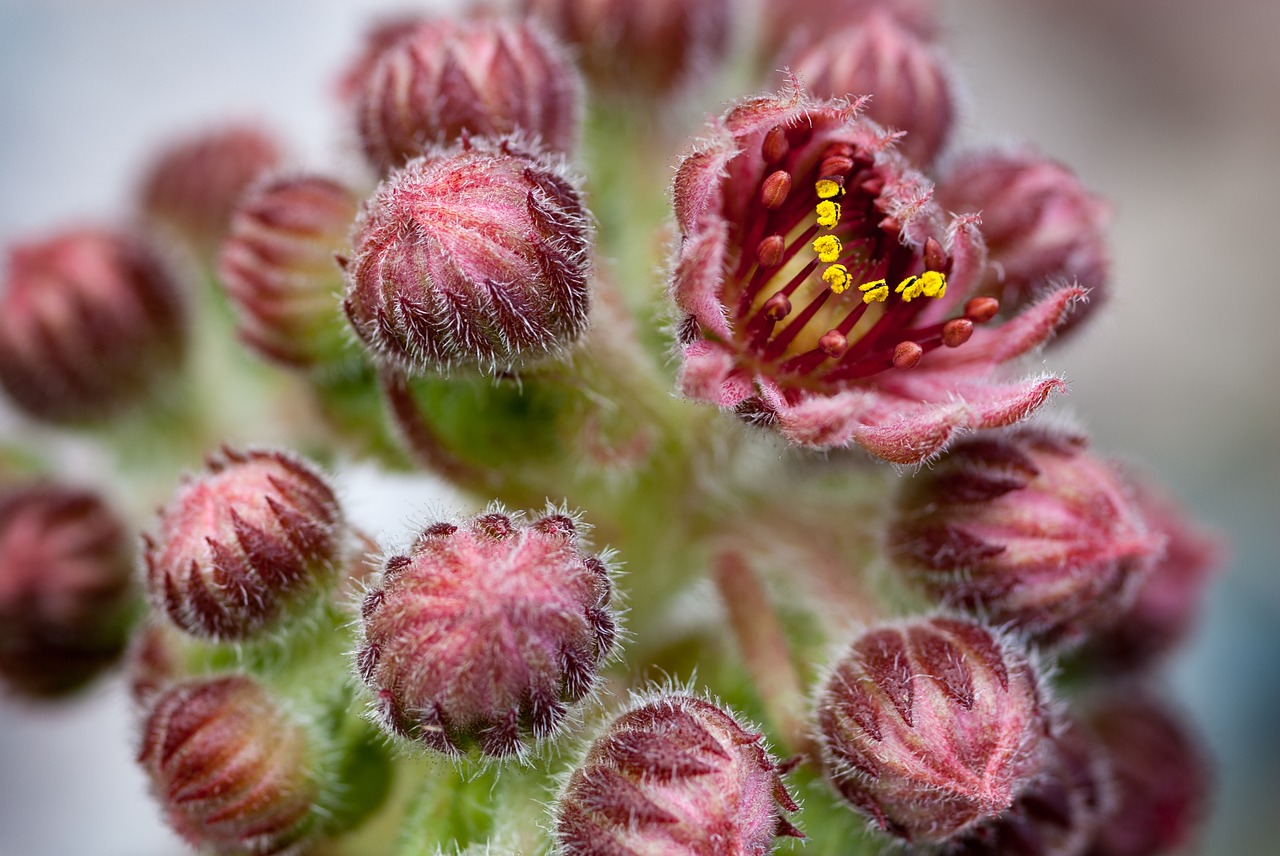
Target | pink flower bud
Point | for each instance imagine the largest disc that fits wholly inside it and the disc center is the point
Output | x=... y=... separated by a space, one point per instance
x=278 y=266
x=378 y=39
x=822 y=292
x=676 y=775
x=1160 y=778
x=1027 y=528
x=245 y=546
x=192 y=186
x=65 y=593
x=486 y=632
x=91 y=321
x=475 y=255
x=1042 y=227
x=792 y=24
x=932 y=727
x=229 y=767
x=1168 y=597
x=1058 y=813
x=649 y=49
x=906 y=77
x=446 y=79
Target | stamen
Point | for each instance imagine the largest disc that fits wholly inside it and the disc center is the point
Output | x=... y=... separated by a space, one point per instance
x=775 y=189
x=776 y=146
x=777 y=307
x=834 y=344
x=769 y=251
x=980 y=310
x=828 y=248
x=837 y=276
x=934 y=256
x=956 y=332
x=828 y=213
x=907 y=355
x=828 y=189
x=876 y=291
x=933 y=283
x=910 y=288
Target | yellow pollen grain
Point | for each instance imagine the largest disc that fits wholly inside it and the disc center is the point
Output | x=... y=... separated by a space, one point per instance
x=910 y=288
x=827 y=188
x=828 y=213
x=876 y=291
x=934 y=283
x=828 y=248
x=836 y=276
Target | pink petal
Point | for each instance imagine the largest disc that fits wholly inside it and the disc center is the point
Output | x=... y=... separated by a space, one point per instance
x=699 y=276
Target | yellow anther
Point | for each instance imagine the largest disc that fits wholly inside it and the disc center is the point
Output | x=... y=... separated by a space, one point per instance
x=828 y=248
x=827 y=188
x=935 y=283
x=828 y=213
x=836 y=276
x=874 y=292
x=910 y=288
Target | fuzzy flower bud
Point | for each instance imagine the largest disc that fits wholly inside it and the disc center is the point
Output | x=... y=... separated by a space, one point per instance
x=192 y=186
x=65 y=593
x=473 y=256
x=446 y=79
x=91 y=321
x=649 y=49
x=279 y=270
x=229 y=767
x=238 y=550
x=906 y=77
x=932 y=727
x=1042 y=226
x=1159 y=774
x=1027 y=528
x=792 y=24
x=485 y=632
x=674 y=775
x=383 y=35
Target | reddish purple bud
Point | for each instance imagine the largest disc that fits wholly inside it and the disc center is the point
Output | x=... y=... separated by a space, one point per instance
x=1160 y=778
x=1059 y=812
x=377 y=40
x=193 y=185
x=855 y=246
x=1042 y=227
x=1028 y=529
x=648 y=49
x=907 y=78
x=932 y=727
x=229 y=767
x=278 y=266
x=472 y=256
x=1169 y=596
x=154 y=662
x=65 y=593
x=91 y=322
x=676 y=775
x=486 y=632
x=792 y=24
x=255 y=540
x=447 y=79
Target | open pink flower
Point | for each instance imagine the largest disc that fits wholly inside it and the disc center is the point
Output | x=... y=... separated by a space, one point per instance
x=822 y=291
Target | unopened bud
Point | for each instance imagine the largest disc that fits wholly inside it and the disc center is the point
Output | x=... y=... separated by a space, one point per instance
x=255 y=540
x=487 y=77
x=486 y=632
x=65 y=594
x=675 y=775
x=193 y=185
x=91 y=322
x=279 y=270
x=932 y=727
x=647 y=49
x=476 y=255
x=1025 y=527
x=229 y=767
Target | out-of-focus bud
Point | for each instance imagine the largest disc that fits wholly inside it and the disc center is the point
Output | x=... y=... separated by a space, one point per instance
x=1058 y=814
x=906 y=77
x=647 y=49
x=65 y=597
x=154 y=662
x=1168 y=597
x=485 y=632
x=932 y=727
x=678 y=775
x=792 y=24
x=1027 y=528
x=278 y=266
x=447 y=79
x=255 y=540
x=193 y=185
x=1159 y=775
x=91 y=322
x=1042 y=227
x=229 y=767
x=472 y=256
x=378 y=39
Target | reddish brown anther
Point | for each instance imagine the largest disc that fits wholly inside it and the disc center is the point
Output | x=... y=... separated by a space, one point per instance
x=775 y=145
x=834 y=344
x=956 y=332
x=777 y=307
x=980 y=310
x=935 y=258
x=775 y=188
x=907 y=355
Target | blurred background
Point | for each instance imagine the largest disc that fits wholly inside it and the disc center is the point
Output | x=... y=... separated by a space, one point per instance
x=1167 y=107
